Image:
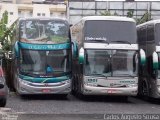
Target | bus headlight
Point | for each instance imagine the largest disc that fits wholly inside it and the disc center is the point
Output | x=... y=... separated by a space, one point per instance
x=24 y=82
x=65 y=82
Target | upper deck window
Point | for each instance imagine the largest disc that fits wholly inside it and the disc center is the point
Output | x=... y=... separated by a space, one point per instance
x=157 y=35
x=44 y=31
x=110 y=31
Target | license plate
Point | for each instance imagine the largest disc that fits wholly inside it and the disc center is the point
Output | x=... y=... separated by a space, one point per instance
x=46 y=90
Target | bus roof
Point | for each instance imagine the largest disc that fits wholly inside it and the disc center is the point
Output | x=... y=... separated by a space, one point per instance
x=112 y=18
x=152 y=22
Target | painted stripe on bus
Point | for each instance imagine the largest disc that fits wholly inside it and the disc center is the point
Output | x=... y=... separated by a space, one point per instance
x=44 y=80
x=44 y=46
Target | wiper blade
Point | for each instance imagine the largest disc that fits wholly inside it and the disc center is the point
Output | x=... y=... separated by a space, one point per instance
x=100 y=41
x=100 y=75
x=120 y=41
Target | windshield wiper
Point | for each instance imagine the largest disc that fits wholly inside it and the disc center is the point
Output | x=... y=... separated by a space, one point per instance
x=126 y=75
x=100 y=75
x=100 y=41
x=120 y=41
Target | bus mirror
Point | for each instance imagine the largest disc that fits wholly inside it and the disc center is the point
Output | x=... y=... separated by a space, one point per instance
x=16 y=48
x=74 y=50
x=155 y=61
x=142 y=57
x=70 y=25
x=81 y=56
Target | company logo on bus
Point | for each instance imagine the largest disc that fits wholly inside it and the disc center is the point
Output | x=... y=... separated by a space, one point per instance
x=46 y=84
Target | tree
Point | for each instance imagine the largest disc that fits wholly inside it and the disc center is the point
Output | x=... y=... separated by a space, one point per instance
x=130 y=13
x=6 y=33
x=107 y=13
x=146 y=17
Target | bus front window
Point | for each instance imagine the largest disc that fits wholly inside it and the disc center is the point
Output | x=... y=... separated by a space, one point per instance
x=53 y=63
x=111 y=63
x=124 y=63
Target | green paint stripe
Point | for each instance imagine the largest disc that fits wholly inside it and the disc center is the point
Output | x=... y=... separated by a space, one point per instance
x=45 y=46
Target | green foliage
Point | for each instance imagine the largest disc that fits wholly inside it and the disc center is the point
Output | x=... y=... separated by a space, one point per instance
x=105 y=13
x=5 y=32
x=130 y=13
x=115 y=14
x=146 y=17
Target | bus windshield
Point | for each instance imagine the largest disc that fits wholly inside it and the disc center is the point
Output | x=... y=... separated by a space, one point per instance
x=110 y=31
x=44 y=31
x=110 y=63
x=44 y=63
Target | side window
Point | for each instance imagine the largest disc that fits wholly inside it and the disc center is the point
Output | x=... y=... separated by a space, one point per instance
x=142 y=32
x=150 y=33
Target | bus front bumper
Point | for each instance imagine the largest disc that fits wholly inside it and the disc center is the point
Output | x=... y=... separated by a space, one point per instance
x=26 y=87
x=127 y=91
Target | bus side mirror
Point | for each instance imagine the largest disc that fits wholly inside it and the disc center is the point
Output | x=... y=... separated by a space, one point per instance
x=16 y=48
x=70 y=25
x=142 y=57
x=81 y=56
x=74 y=50
x=155 y=61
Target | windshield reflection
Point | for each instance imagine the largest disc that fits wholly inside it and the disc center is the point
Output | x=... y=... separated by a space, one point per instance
x=50 y=63
x=111 y=63
x=44 y=31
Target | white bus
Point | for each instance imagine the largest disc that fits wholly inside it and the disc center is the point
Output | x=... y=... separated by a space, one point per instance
x=107 y=61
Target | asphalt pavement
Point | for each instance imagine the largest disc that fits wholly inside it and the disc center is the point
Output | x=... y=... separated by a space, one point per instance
x=47 y=107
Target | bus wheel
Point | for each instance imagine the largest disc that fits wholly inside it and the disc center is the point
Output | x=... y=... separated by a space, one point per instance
x=73 y=86
x=80 y=96
x=124 y=98
x=3 y=102
x=64 y=96
x=144 y=89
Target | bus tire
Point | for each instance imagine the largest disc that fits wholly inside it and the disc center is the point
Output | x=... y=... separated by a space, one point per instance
x=124 y=98
x=73 y=92
x=3 y=102
x=144 y=89
x=63 y=96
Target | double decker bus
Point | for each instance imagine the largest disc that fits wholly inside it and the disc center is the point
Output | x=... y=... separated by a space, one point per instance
x=42 y=56
x=149 y=41
x=107 y=63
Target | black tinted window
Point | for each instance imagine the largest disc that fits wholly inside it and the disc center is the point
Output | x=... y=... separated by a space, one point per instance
x=157 y=35
x=110 y=31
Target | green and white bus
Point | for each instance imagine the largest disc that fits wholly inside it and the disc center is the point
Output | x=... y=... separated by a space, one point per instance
x=42 y=56
x=149 y=41
x=107 y=61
